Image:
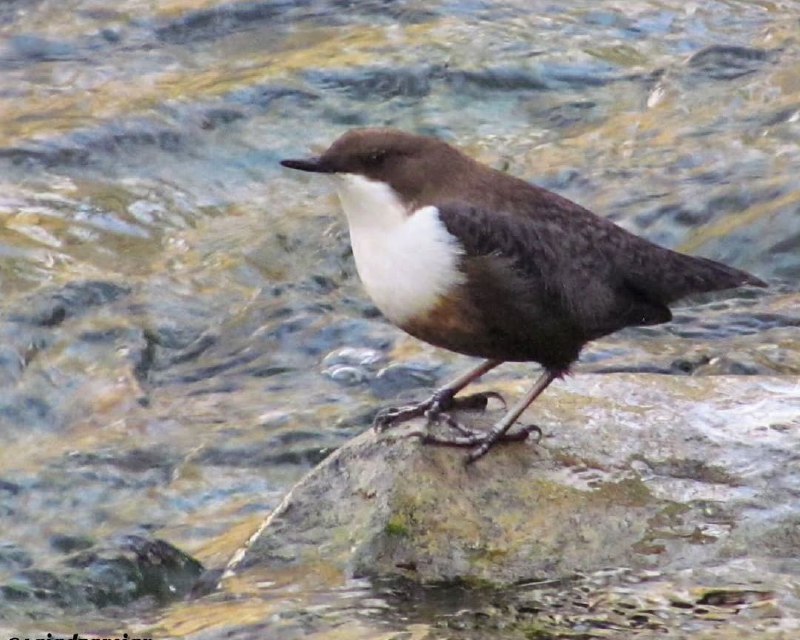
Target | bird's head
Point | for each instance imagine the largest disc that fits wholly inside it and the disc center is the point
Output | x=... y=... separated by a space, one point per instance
x=413 y=166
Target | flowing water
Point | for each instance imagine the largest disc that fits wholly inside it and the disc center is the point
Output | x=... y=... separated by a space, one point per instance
x=183 y=334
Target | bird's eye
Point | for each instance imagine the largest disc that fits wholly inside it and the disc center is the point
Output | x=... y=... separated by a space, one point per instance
x=376 y=157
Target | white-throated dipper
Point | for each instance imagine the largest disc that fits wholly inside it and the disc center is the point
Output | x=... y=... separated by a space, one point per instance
x=476 y=261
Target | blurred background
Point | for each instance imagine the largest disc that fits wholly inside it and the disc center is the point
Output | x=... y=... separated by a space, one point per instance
x=182 y=334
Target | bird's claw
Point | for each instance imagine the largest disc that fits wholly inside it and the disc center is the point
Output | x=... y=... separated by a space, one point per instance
x=479 y=438
x=431 y=409
x=434 y=408
x=533 y=428
x=391 y=416
x=481 y=441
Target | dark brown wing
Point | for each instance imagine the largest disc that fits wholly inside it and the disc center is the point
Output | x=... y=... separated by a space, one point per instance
x=595 y=275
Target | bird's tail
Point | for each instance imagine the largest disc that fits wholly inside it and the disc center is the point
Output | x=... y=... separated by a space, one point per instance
x=679 y=275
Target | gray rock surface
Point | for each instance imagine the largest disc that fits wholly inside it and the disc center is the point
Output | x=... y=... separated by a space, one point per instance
x=639 y=471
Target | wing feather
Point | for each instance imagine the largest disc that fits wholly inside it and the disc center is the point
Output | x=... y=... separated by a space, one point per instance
x=571 y=267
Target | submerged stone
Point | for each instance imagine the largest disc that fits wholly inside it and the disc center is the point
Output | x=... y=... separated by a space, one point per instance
x=117 y=573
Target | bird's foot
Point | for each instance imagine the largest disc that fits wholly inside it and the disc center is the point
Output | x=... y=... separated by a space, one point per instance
x=479 y=440
x=430 y=408
x=435 y=408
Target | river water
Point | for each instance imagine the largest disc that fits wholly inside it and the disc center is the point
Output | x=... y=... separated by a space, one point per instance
x=183 y=334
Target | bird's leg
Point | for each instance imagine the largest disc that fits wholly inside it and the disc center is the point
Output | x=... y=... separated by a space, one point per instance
x=486 y=439
x=442 y=400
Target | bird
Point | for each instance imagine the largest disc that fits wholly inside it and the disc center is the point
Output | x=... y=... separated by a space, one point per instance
x=482 y=263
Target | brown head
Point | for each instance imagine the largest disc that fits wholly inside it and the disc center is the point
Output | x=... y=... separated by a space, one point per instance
x=418 y=168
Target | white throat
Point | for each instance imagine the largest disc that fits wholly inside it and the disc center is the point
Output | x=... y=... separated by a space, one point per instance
x=406 y=260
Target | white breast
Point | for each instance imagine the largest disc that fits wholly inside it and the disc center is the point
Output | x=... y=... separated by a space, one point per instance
x=406 y=262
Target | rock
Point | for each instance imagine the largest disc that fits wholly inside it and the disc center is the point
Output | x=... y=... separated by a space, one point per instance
x=646 y=472
x=115 y=573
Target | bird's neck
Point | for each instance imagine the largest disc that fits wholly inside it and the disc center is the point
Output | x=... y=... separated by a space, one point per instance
x=369 y=203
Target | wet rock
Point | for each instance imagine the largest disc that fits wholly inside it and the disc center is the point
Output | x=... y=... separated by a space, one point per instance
x=123 y=571
x=647 y=472
x=155 y=568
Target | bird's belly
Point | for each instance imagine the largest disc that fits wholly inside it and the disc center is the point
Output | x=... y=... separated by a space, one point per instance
x=453 y=324
x=505 y=331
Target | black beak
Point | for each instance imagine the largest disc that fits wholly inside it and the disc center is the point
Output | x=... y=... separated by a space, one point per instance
x=314 y=165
